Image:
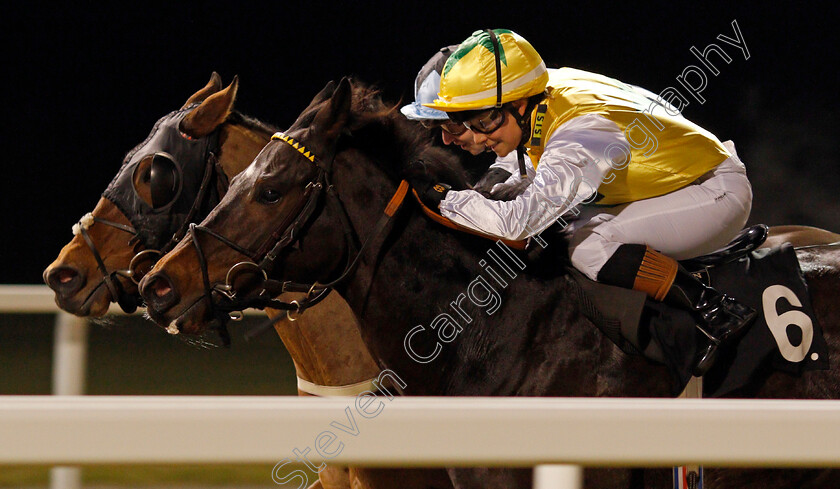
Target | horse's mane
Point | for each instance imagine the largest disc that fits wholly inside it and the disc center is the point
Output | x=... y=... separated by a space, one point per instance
x=250 y=123
x=382 y=130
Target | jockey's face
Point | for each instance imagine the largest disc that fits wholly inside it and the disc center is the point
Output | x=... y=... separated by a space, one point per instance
x=464 y=140
x=507 y=137
x=455 y=133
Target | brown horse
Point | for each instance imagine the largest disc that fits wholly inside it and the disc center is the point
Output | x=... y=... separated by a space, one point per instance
x=79 y=281
x=332 y=357
x=530 y=339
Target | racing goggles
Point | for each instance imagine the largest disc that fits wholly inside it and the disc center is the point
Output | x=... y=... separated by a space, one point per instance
x=453 y=128
x=487 y=121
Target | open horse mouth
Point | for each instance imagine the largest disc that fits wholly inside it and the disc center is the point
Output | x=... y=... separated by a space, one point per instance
x=192 y=319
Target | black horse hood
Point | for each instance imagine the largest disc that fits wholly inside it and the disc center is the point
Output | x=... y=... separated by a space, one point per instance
x=174 y=165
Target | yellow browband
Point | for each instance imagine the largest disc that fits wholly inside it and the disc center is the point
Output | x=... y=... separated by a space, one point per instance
x=291 y=142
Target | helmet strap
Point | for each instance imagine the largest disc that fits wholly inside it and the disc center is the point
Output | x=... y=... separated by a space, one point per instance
x=521 y=119
x=495 y=41
x=524 y=122
x=520 y=158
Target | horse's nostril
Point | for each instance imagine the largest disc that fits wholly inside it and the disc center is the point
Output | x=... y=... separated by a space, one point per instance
x=161 y=288
x=65 y=276
x=158 y=292
x=64 y=279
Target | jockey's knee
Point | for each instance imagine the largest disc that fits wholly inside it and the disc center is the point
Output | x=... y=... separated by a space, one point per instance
x=590 y=255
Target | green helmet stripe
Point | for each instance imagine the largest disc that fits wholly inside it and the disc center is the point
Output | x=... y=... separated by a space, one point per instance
x=478 y=38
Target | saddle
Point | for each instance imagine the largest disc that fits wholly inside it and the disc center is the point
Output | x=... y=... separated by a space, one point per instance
x=744 y=242
x=785 y=336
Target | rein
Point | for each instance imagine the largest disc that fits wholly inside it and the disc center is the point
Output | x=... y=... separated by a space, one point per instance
x=262 y=261
x=521 y=244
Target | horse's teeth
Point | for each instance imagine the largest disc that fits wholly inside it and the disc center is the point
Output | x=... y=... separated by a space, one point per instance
x=172 y=328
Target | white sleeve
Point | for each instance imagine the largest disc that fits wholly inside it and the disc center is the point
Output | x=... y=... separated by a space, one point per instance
x=510 y=163
x=507 y=163
x=569 y=172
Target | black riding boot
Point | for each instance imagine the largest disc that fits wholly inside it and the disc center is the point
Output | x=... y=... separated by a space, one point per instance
x=720 y=319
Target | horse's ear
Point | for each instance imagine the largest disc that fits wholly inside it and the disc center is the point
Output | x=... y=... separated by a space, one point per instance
x=332 y=118
x=324 y=94
x=211 y=113
x=213 y=86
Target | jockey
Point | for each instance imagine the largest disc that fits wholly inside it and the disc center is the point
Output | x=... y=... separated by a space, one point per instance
x=426 y=86
x=636 y=185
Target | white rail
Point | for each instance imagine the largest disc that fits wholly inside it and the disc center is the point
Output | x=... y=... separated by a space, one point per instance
x=69 y=354
x=40 y=299
x=419 y=431
x=77 y=430
x=27 y=299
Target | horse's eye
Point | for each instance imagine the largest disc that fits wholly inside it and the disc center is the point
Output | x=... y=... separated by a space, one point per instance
x=269 y=196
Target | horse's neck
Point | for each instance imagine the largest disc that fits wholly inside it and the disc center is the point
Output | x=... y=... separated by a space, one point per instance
x=326 y=346
x=239 y=144
x=409 y=286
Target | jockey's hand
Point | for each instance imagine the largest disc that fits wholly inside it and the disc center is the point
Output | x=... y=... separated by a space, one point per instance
x=492 y=177
x=431 y=193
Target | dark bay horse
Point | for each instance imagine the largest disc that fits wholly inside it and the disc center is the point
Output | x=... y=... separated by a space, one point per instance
x=441 y=309
x=332 y=357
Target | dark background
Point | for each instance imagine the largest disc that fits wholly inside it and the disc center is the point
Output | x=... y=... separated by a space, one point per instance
x=84 y=82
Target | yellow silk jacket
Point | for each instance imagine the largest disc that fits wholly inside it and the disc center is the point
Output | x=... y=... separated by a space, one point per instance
x=667 y=151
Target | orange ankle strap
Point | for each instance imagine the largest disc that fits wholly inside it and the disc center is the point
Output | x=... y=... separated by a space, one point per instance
x=656 y=274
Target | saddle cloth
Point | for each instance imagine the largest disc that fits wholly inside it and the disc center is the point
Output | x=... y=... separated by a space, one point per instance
x=786 y=335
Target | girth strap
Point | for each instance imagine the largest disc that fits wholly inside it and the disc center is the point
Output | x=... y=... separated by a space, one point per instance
x=336 y=390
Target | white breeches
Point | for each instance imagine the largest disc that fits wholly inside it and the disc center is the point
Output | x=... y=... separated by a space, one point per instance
x=692 y=221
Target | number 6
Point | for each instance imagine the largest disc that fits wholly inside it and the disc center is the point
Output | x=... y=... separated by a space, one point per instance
x=778 y=323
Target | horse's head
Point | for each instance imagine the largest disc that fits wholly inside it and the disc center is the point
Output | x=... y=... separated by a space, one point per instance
x=163 y=182
x=262 y=203
x=291 y=214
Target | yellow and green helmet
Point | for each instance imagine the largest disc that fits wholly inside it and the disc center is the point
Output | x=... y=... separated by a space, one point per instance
x=486 y=61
